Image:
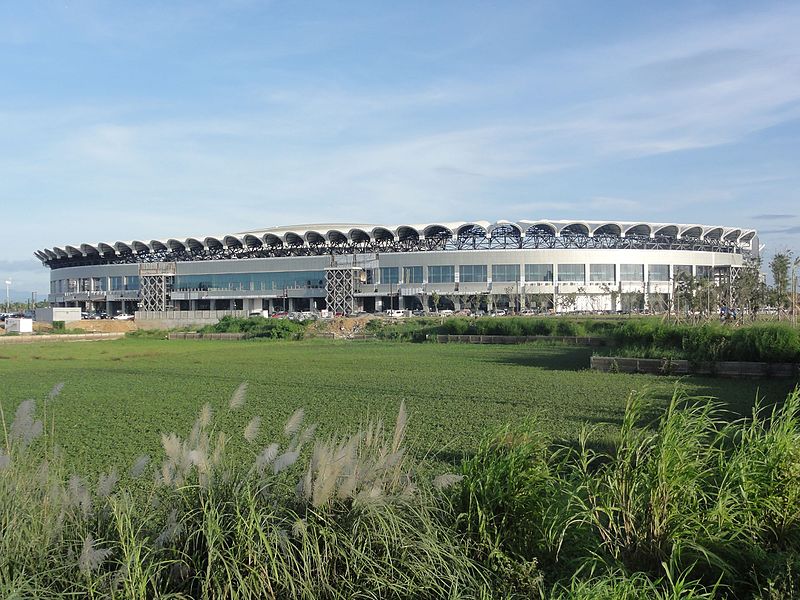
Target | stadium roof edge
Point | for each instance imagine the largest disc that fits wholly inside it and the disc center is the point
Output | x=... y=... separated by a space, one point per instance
x=301 y=233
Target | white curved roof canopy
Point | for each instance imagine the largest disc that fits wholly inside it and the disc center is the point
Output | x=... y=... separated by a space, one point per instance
x=338 y=234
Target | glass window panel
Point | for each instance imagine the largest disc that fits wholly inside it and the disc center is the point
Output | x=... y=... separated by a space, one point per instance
x=505 y=272
x=132 y=282
x=602 y=272
x=115 y=283
x=252 y=281
x=538 y=272
x=441 y=274
x=658 y=272
x=412 y=274
x=390 y=275
x=631 y=272
x=572 y=273
x=472 y=273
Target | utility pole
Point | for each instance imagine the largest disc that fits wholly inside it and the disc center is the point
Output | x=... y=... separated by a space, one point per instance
x=8 y=295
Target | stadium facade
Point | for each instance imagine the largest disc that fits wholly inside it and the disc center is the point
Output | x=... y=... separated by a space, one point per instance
x=549 y=265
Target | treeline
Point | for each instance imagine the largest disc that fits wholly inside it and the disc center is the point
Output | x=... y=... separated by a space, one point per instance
x=691 y=506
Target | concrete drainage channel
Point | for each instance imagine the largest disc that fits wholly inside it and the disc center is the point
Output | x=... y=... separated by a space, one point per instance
x=666 y=366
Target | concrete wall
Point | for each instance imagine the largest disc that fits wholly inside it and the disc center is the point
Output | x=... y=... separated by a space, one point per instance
x=658 y=366
x=48 y=315
x=171 y=319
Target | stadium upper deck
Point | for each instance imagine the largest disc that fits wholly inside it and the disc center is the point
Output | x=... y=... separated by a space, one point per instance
x=320 y=239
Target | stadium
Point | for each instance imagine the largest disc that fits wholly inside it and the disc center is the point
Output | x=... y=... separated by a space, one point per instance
x=542 y=265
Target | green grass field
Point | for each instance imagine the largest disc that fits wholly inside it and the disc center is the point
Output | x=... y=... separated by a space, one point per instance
x=119 y=396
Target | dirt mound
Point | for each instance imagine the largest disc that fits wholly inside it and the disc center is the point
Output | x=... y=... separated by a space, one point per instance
x=342 y=326
x=98 y=326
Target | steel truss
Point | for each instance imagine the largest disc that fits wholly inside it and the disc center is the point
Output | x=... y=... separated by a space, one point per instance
x=475 y=238
x=155 y=285
x=340 y=289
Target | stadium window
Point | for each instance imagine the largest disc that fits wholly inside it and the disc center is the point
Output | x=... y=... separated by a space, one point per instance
x=472 y=273
x=602 y=273
x=132 y=282
x=115 y=283
x=412 y=274
x=658 y=272
x=505 y=272
x=251 y=281
x=390 y=275
x=441 y=274
x=538 y=272
x=631 y=272
x=572 y=273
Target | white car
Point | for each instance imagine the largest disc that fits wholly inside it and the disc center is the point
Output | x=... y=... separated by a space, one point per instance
x=123 y=317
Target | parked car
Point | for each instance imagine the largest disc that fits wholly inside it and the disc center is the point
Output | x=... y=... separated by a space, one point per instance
x=123 y=317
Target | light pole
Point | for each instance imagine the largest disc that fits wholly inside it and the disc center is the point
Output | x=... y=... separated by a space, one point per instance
x=795 y=264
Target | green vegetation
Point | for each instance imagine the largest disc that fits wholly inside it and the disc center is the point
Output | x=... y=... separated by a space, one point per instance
x=694 y=506
x=689 y=506
x=642 y=337
x=347 y=521
x=258 y=327
x=768 y=342
x=120 y=394
x=421 y=329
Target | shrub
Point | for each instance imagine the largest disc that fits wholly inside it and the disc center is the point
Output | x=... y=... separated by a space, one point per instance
x=258 y=327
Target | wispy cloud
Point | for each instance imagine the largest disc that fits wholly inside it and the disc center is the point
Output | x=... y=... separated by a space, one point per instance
x=773 y=217
x=793 y=229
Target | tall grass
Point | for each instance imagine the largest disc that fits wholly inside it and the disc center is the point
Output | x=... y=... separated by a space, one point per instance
x=307 y=518
x=684 y=505
x=691 y=498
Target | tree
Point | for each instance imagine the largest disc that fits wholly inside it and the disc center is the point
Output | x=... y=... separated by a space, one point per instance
x=513 y=297
x=435 y=298
x=748 y=290
x=779 y=267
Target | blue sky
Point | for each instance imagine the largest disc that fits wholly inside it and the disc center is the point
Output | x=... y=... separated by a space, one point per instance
x=147 y=120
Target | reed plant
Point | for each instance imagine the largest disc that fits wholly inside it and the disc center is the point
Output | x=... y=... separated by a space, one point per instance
x=687 y=505
x=307 y=518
